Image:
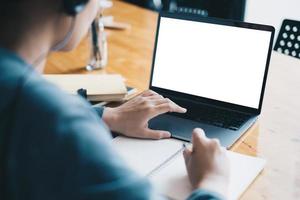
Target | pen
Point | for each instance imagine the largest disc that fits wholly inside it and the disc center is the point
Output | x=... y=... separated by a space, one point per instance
x=186 y=145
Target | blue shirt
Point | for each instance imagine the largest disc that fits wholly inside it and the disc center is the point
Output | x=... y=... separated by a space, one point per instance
x=55 y=146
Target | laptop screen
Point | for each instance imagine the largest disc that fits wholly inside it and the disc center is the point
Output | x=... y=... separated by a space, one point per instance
x=218 y=62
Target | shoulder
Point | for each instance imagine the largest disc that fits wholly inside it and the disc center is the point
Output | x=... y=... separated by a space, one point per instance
x=46 y=97
x=53 y=109
x=61 y=138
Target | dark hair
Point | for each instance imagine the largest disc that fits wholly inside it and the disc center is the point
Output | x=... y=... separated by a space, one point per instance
x=10 y=7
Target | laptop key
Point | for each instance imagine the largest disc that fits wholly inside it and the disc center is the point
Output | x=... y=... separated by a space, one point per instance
x=219 y=124
x=220 y=118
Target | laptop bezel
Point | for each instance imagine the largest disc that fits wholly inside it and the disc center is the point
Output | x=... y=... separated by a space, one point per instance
x=203 y=100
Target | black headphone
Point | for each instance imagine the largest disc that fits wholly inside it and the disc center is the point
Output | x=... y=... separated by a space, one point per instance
x=73 y=7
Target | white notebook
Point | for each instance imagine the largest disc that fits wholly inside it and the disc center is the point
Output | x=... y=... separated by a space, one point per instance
x=163 y=163
x=100 y=87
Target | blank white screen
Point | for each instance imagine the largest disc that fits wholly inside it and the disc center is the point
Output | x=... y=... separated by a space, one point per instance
x=214 y=61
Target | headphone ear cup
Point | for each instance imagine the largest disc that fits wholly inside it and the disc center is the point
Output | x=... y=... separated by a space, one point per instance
x=73 y=7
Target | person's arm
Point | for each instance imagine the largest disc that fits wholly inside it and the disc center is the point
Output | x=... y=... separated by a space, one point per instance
x=64 y=151
x=100 y=173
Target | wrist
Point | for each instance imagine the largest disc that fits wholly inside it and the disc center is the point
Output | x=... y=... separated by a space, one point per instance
x=215 y=184
x=109 y=117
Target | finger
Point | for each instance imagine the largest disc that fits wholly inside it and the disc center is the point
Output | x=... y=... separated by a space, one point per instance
x=187 y=156
x=215 y=144
x=199 y=139
x=156 y=134
x=159 y=101
x=176 y=107
x=155 y=97
x=155 y=100
x=148 y=93
x=169 y=106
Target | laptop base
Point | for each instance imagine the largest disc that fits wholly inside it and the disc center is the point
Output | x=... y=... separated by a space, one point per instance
x=181 y=128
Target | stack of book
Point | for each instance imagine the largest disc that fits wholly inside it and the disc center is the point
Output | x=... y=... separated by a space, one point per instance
x=98 y=87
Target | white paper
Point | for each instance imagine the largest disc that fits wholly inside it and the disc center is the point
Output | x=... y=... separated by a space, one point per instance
x=171 y=180
x=145 y=155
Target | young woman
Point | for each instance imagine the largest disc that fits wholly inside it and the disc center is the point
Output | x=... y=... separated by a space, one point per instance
x=55 y=146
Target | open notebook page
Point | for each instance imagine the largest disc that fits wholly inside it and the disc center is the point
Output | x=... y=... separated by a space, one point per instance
x=145 y=155
x=171 y=180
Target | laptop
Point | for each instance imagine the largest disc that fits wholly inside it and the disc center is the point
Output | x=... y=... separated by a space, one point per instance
x=215 y=68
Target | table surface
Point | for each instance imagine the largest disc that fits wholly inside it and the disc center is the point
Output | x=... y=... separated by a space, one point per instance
x=277 y=135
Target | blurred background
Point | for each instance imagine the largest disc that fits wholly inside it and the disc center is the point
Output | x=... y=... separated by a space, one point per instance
x=271 y=12
x=231 y=9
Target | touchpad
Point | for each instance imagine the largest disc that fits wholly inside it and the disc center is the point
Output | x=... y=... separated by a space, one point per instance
x=178 y=127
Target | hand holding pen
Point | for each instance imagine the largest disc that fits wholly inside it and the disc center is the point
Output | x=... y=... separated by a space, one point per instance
x=207 y=164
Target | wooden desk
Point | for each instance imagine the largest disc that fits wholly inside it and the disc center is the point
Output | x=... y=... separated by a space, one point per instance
x=277 y=138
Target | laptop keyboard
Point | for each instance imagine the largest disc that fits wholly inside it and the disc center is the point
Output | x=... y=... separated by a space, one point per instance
x=219 y=117
x=222 y=118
